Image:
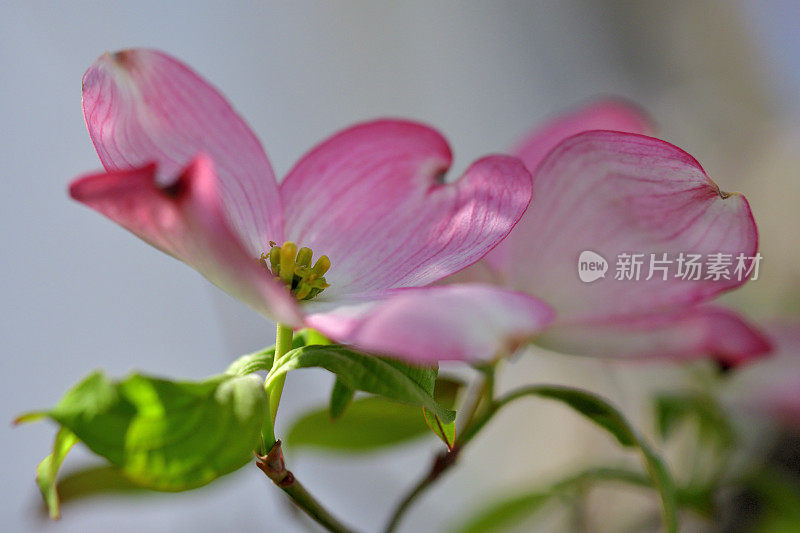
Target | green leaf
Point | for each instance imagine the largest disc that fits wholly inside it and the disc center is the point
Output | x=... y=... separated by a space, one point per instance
x=253 y=362
x=367 y=373
x=95 y=481
x=445 y=431
x=47 y=471
x=675 y=408
x=424 y=376
x=27 y=418
x=512 y=509
x=368 y=424
x=262 y=359
x=167 y=435
x=447 y=390
x=503 y=514
x=341 y=396
x=596 y=409
x=311 y=336
x=446 y=394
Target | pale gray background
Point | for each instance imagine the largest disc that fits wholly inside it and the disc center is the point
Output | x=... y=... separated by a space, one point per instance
x=79 y=292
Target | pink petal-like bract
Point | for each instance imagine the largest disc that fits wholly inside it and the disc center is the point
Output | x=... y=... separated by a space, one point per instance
x=186 y=219
x=143 y=106
x=681 y=334
x=607 y=114
x=455 y=322
x=372 y=199
x=613 y=193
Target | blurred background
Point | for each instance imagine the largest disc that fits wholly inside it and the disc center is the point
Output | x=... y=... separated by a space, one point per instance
x=720 y=78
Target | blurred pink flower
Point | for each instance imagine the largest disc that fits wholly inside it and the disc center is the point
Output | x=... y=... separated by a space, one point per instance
x=186 y=174
x=770 y=389
x=619 y=191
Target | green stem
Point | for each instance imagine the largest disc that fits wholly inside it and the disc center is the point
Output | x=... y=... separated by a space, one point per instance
x=272 y=464
x=484 y=393
x=283 y=343
x=440 y=465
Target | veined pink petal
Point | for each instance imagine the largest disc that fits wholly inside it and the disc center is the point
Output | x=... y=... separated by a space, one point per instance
x=185 y=219
x=144 y=106
x=455 y=322
x=614 y=193
x=771 y=387
x=372 y=199
x=607 y=114
x=683 y=334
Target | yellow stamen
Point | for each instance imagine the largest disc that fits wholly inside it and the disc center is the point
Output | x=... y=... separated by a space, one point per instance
x=288 y=255
x=304 y=256
x=292 y=267
x=275 y=260
x=322 y=265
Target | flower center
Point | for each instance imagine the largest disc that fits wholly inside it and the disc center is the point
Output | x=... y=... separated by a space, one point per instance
x=293 y=268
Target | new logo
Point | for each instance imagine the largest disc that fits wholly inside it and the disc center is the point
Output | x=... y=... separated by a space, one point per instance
x=591 y=266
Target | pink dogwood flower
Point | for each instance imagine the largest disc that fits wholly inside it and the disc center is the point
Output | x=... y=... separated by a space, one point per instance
x=602 y=185
x=348 y=238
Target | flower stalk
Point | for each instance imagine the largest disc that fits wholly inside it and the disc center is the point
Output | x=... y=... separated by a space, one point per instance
x=272 y=462
x=283 y=343
x=273 y=465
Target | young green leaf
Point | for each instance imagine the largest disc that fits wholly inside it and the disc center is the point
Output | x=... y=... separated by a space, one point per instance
x=167 y=435
x=445 y=431
x=47 y=471
x=446 y=394
x=341 y=396
x=369 y=424
x=252 y=362
x=368 y=373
